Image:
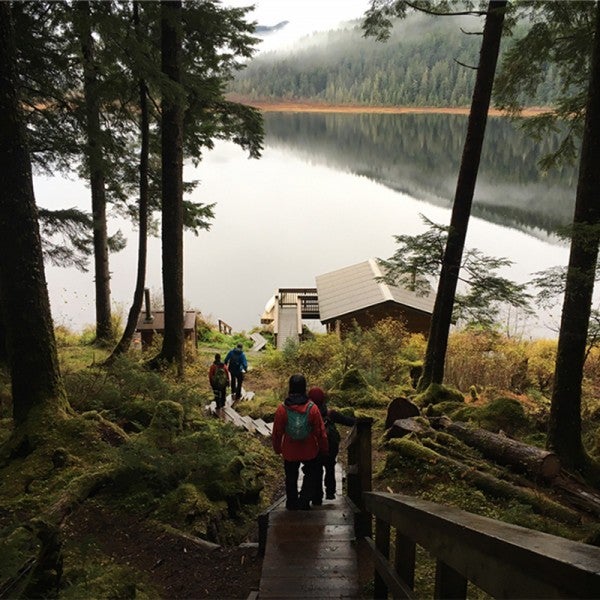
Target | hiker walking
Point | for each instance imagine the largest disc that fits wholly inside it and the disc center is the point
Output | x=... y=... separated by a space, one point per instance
x=238 y=365
x=327 y=462
x=218 y=376
x=299 y=436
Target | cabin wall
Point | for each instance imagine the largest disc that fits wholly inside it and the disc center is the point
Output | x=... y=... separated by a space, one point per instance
x=416 y=321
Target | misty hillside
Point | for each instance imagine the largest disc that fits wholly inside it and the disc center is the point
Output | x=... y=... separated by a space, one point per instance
x=418 y=65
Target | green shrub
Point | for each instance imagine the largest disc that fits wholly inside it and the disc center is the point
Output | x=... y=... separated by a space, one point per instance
x=505 y=414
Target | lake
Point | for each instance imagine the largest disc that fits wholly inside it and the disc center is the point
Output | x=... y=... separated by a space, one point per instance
x=332 y=190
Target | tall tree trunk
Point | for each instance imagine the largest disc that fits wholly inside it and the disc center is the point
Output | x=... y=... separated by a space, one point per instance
x=138 y=295
x=564 y=432
x=33 y=362
x=433 y=368
x=172 y=184
x=96 y=167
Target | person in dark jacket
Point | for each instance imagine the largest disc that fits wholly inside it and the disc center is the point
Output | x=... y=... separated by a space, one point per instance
x=218 y=382
x=238 y=365
x=327 y=462
x=299 y=451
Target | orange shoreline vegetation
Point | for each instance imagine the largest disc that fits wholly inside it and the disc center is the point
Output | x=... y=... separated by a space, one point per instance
x=315 y=107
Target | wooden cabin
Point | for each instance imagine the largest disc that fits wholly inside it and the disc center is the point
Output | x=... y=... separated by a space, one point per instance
x=354 y=295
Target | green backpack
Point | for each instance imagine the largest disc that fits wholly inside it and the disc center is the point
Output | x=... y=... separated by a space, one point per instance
x=298 y=426
x=220 y=379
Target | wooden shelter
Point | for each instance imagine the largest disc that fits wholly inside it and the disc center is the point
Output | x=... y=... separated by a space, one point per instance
x=151 y=322
x=354 y=295
x=156 y=325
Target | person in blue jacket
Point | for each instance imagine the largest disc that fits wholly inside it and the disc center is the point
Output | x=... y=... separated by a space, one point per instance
x=238 y=365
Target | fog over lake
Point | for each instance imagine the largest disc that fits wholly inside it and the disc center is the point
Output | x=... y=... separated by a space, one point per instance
x=331 y=191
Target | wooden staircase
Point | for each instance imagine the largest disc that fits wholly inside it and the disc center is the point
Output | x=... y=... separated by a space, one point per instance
x=230 y=415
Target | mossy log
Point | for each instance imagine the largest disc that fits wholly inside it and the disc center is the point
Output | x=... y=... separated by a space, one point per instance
x=488 y=483
x=76 y=492
x=188 y=538
x=538 y=463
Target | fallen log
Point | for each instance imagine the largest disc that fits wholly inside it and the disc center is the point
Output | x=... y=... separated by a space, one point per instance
x=488 y=483
x=538 y=463
x=402 y=427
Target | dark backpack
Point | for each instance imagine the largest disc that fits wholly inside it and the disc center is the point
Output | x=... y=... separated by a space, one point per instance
x=333 y=435
x=298 y=426
x=220 y=379
x=235 y=363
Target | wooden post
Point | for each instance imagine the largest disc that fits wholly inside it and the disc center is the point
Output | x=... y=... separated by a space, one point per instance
x=360 y=473
x=449 y=584
x=382 y=543
x=404 y=559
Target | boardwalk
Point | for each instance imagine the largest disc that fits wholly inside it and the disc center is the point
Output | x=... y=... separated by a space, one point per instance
x=311 y=554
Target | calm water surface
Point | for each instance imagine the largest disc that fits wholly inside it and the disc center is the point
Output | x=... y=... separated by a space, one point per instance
x=330 y=191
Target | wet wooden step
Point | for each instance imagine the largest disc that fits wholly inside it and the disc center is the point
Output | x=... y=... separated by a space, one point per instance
x=312 y=553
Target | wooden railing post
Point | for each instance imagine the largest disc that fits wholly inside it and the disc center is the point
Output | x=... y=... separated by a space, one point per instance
x=404 y=559
x=360 y=473
x=382 y=543
x=449 y=584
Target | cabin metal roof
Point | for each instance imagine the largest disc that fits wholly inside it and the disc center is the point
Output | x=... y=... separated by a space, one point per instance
x=356 y=287
x=158 y=323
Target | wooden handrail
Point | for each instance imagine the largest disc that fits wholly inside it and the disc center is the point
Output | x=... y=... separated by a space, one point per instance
x=225 y=327
x=504 y=560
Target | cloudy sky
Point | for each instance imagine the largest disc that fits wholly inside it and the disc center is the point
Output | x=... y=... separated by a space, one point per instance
x=304 y=16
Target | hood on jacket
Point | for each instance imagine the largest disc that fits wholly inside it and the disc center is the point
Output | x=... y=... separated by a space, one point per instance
x=296 y=400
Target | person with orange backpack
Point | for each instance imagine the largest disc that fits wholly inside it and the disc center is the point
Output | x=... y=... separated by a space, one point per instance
x=299 y=436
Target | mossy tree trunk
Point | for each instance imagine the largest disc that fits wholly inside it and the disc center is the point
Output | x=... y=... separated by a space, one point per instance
x=25 y=306
x=433 y=367
x=564 y=433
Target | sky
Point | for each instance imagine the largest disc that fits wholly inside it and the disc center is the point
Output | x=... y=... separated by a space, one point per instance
x=304 y=16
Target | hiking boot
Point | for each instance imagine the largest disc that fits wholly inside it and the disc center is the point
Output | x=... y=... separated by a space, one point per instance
x=330 y=496
x=317 y=502
x=303 y=505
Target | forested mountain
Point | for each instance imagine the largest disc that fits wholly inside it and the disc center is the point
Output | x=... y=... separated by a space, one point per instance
x=419 y=65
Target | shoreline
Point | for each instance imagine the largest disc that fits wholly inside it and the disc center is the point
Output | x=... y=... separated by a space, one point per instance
x=315 y=107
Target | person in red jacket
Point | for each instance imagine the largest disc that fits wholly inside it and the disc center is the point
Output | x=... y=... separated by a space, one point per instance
x=299 y=451
x=218 y=376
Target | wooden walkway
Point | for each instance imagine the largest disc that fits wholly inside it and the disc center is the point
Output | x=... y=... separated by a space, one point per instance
x=232 y=416
x=311 y=554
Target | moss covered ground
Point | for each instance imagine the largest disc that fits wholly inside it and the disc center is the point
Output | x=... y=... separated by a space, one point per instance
x=116 y=497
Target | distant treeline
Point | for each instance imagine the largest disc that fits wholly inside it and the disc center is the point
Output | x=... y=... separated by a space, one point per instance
x=417 y=66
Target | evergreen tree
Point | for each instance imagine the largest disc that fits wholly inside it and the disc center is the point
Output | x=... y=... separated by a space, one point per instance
x=96 y=166
x=378 y=23
x=31 y=347
x=172 y=183
x=564 y=432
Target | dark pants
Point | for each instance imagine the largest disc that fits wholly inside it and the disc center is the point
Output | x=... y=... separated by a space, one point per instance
x=311 y=470
x=236 y=385
x=327 y=465
x=220 y=395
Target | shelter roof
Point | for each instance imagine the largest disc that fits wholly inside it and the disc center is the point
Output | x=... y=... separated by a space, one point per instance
x=158 y=323
x=356 y=287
